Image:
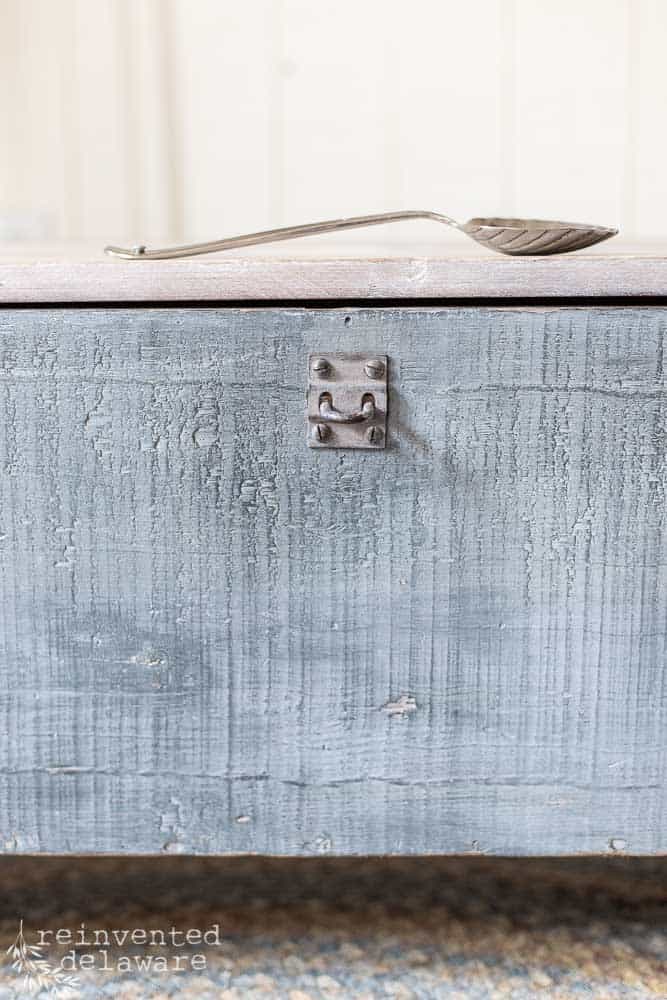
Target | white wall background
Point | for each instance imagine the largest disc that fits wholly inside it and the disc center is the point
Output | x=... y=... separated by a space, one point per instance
x=131 y=120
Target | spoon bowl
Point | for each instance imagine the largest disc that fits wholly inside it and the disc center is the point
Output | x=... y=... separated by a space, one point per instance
x=534 y=237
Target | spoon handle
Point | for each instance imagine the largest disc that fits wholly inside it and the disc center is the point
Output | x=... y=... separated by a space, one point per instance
x=273 y=235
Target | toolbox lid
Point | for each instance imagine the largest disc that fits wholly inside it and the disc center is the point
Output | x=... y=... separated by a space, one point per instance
x=324 y=269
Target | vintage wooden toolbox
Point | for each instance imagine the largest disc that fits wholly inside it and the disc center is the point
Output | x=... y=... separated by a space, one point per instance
x=229 y=625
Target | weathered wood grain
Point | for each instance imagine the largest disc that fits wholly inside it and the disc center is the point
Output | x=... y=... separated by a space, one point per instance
x=312 y=269
x=215 y=639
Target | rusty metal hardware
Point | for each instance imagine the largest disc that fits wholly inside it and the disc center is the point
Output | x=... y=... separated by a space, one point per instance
x=330 y=414
x=347 y=401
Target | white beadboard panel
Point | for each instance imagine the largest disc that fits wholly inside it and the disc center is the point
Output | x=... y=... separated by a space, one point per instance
x=507 y=124
x=132 y=120
x=33 y=186
x=145 y=70
x=99 y=118
x=450 y=97
x=570 y=97
x=10 y=194
x=224 y=74
x=333 y=71
x=648 y=146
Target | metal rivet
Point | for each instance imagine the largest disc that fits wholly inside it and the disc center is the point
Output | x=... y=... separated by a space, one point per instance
x=321 y=366
x=374 y=435
x=139 y=250
x=320 y=432
x=374 y=369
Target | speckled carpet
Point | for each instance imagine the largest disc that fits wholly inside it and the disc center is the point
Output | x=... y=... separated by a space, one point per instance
x=470 y=927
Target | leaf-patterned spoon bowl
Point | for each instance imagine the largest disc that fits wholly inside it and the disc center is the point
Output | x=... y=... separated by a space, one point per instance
x=534 y=237
x=529 y=237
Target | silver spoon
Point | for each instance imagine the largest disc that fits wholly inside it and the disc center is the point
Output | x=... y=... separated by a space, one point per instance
x=511 y=236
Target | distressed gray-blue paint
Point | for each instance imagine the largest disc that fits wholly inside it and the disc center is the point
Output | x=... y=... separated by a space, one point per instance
x=214 y=639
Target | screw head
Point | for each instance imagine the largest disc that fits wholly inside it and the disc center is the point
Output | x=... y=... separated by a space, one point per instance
x=321 y=367
x=374 y=435
x=374 y=368
x=320 y=432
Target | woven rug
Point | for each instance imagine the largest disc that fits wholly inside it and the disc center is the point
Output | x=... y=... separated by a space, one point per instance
x=465 y=928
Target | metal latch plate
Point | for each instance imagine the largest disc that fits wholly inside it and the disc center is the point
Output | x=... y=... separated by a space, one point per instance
x=347 y=401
